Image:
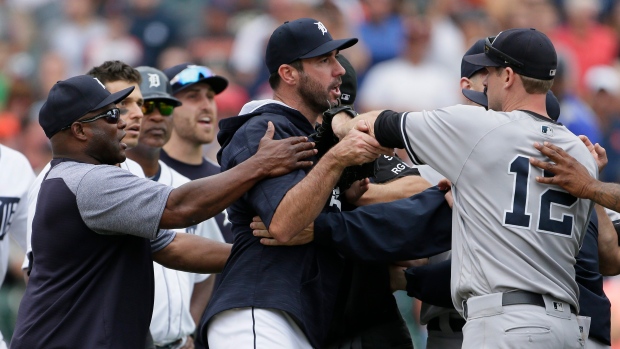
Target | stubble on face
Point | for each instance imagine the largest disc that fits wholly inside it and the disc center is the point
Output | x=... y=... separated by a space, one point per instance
x=315 y=96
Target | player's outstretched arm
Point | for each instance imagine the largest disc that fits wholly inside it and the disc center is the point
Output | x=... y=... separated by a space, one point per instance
x=575 y=178
x=342 y=123
x=303 y=203
x=608 y=249
x=202 y=199
x=193 y=253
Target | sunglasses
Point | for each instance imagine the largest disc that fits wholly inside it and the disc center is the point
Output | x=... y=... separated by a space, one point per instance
x=492 y=51
x=190 y=75
x=164 y=108
x=111 y=117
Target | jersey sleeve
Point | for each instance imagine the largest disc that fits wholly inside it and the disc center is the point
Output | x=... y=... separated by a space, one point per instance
x=133 y=208
x=444 y=138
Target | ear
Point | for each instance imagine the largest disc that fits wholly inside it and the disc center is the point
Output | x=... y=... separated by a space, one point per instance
x=465 y=83
x=510 y=77
x=288 y=74
x=77 y=130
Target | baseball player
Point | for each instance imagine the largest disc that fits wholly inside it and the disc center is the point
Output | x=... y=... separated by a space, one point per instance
x=514 y=240
x=171 y=323
x=16 y=176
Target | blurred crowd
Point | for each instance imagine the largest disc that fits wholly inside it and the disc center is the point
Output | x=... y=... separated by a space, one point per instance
x=408 y=58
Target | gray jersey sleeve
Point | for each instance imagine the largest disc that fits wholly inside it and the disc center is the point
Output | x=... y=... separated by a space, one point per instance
x=114 y=201
x=163 y=239
x=444 y=138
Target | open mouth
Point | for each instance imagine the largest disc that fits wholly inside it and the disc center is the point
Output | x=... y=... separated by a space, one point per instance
x=204 y=120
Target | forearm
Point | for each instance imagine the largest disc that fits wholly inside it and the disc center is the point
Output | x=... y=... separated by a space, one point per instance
x=604 y=194
x=303 y=203
x=608 y=249
x=202 y=199
x=192 y=253
x=399 y=188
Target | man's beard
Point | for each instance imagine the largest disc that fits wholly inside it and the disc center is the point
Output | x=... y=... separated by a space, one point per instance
x=315 y=96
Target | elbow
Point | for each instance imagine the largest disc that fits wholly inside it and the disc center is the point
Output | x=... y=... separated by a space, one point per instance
x=280 y=233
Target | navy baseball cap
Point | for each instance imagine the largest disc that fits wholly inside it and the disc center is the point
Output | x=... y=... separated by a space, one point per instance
x=552 y=103
x=299 y=39
x=528 y=52
x=73 y=98
x=155 y=85
x=184 y=75
x=348 y=87
x=467 y=69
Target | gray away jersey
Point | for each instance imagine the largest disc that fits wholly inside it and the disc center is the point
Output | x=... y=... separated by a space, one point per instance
x=509 y=231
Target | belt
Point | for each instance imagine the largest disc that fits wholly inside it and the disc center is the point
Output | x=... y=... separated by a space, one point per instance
x=171 y=345
x=522 y=297
x=456 y=325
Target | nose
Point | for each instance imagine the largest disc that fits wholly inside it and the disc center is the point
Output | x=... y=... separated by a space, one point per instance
x=340 y=71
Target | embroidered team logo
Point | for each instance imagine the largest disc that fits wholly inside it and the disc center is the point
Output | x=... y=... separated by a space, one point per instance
x=154 y=80
x=558 y=306
x=321 y=27
x=345 y=96
x=102 y=85
x=547 y=130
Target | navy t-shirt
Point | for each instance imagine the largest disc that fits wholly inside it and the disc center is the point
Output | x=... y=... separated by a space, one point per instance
x=205 y=169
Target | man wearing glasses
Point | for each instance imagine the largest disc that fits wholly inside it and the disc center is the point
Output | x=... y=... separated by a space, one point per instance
x=514 y=240
x=91 y=284
x=172 y=323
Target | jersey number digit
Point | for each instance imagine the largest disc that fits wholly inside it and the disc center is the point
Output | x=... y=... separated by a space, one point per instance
x=518 y=216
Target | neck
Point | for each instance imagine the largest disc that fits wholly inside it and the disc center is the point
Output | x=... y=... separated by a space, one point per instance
x=147 y=157
x=534 y=103
x=183 y=151
x=295 y=101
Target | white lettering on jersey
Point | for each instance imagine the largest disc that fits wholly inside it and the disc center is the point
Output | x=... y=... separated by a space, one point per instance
x=226 y=222
x=398 y=168
x=334 y=201
x=321 y=27
x=154 y=80
x=8 y=206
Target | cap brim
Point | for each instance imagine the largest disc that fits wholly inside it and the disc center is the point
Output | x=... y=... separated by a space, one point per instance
x=330 y=46
x=476 y=97
x=553 y=106
x=114 y=98
x=163 y=97
x=217 y=83
x=481 y=59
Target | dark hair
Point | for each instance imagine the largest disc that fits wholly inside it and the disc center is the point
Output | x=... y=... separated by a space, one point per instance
x=111 y=71
x=274 y=79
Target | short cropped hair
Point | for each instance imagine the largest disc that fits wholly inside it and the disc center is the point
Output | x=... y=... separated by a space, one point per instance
x=274 y=79
x=111 y=71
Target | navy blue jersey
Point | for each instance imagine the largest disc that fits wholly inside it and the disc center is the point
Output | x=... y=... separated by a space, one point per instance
x=205 y=169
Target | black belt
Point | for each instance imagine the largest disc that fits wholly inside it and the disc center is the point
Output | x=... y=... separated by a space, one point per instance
x=170 y=345
x=456 y=325
x=525 y=297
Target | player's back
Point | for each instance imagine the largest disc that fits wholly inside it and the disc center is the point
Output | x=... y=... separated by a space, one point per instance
x=511 y=232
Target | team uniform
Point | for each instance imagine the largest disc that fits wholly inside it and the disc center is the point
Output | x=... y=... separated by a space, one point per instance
x=172 y=322
x=514 y=240
x=16 y=175
x=106 y=233
x=205 y=169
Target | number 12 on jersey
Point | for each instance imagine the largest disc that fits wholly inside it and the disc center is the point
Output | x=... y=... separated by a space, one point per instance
x=518 y=216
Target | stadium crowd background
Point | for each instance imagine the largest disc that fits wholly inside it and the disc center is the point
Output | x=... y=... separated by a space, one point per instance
x=408 y=59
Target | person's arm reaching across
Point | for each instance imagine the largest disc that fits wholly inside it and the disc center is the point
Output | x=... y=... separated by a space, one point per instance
x=202 y=199
x=608 y=249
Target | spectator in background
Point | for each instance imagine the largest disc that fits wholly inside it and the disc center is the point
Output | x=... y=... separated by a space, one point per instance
x=72 y=34
x=117 y=44
x=589 y=42
x=603 y=94
x=154 y=27
x=383 y=30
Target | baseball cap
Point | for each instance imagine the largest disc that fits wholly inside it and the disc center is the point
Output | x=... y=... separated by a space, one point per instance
x=73 y=98
x=528 y=52
x=603 y=77
x=155 y=85
x=468 y=69
x=552 y=103
x=348 y=88
x=299 y=39
x=184 y=75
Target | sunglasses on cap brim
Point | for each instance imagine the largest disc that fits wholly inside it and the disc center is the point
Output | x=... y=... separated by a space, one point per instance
x=191 y=75
x=165 y=109
x=111 y=116
x=492 y=51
